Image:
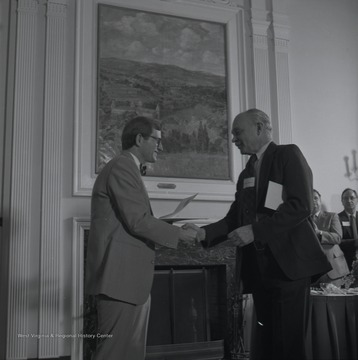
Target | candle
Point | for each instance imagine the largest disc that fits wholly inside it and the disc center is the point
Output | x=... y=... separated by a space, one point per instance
x=354 y=153
x=348 y=174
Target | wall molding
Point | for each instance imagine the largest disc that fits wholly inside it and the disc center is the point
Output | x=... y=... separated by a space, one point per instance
x=281 y=40
x=54 y=106
x=210 y=3
x=85 y=97
x=21 y=189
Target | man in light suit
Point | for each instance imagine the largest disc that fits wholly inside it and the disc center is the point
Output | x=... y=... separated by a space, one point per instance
x=349 y=220
x=329 y=231
x=269 y=222
x=121 y=247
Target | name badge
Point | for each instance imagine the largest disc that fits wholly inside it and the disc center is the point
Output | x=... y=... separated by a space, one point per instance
x=346 y=223
x=274 y=195
x=249 y=182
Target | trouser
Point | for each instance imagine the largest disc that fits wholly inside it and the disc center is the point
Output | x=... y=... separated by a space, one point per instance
x=122 y=329
x=281 y=307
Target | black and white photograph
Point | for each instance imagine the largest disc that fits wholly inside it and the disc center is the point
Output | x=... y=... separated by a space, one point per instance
x=178 y=180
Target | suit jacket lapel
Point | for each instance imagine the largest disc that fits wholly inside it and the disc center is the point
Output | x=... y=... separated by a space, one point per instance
x=356 y=223
x=144 y=190
x=346 y=229
x=321 y=221
x=265 y=168
x=349 y=228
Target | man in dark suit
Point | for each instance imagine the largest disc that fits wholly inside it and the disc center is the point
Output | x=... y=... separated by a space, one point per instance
x=349 y=219
x=329 y=232
x=270 y=223
x=121 y=246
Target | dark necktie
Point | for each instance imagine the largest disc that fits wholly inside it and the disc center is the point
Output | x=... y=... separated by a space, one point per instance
x=143 y=169
x=354 y=226
x=251 y=169
x=248 y=195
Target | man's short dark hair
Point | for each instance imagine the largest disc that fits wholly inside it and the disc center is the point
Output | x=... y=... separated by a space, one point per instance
x=138 y=125
x=348 y=189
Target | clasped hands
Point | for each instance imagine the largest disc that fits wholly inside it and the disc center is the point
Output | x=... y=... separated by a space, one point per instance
x=239 y=237
x=191 y=233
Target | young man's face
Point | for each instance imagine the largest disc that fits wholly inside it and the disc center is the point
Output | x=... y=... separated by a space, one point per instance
x=151 y=146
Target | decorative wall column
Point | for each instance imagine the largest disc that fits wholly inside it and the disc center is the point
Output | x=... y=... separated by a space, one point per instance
x=21 y=189
x=54 y=106
x=270 y=38
x=260 y=26
x=281 y=44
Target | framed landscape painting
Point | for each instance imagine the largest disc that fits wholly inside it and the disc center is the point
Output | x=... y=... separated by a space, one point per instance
x=169 y=66
x=172 y=69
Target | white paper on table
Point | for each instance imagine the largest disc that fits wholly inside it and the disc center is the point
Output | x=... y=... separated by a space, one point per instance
x=179 y=208
x=274 y=195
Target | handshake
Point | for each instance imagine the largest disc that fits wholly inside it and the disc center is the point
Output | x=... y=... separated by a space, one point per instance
x=240 y=237
x=191 y=232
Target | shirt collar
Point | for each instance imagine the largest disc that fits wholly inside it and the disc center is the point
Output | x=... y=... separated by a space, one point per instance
x=136 y=160
x=262 y=150
x=349 y=215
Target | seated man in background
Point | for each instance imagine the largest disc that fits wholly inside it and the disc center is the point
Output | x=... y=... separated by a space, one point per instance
x=329 y=232
x=348 y=218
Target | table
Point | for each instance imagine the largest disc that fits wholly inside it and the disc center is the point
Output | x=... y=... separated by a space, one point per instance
x=332 y=332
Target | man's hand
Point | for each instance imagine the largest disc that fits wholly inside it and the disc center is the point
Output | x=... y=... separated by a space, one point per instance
x=200 y=233
x=188 y=235
x=242 y=236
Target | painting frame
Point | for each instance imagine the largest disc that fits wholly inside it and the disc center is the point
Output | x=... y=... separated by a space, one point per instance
x=86 y=98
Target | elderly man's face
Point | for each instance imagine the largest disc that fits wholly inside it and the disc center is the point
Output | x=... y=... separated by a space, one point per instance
x=246 y=135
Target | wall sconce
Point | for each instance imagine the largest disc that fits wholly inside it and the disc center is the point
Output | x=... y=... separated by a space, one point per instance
x=351 y=174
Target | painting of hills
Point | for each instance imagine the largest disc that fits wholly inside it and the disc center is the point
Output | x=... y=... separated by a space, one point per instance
x=185 y=90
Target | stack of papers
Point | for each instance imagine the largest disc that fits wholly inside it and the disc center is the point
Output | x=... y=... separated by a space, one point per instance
x=172 y=216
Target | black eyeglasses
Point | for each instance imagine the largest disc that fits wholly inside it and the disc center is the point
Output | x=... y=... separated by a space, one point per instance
x=159 y=140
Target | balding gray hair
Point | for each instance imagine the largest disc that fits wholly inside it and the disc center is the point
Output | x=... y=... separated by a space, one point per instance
x=258 y=116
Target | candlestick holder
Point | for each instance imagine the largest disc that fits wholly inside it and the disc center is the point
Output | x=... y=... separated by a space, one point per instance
x=351 y=173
